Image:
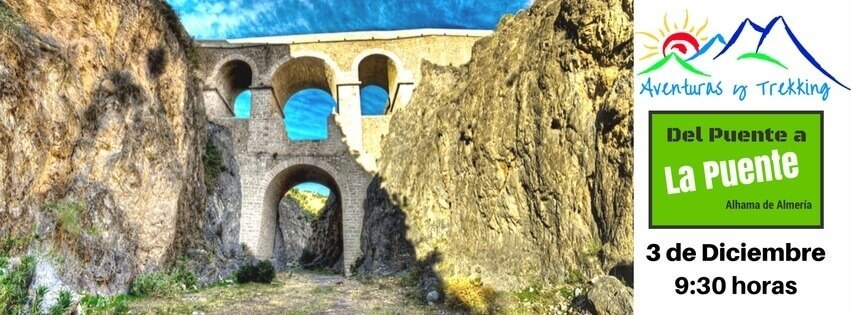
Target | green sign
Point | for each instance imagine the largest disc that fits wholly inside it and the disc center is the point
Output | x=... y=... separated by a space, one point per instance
x=736 y=169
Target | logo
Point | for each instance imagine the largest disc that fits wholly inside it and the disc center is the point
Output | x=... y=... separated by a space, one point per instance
x=690 y=47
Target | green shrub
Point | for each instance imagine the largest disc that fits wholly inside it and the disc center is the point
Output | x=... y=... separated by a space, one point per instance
x=96 y=304
x=35 y=304
x=184 y=278
x=157 y=61
x=126 y=88
x=13 y=244
x=63 y=303
x=14 y=285
x=212 y=164
x=155 y=284
x=68 y=216
x=94 y=231
x=163 y=284
x=263 y=272
x=529 y=294
x=505 y=18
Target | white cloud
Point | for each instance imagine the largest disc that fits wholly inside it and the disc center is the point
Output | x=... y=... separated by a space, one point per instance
x=208 y=19
x=221 y=20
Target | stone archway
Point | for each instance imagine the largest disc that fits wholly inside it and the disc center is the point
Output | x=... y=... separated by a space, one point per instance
x=381 y=71
x=325 y=246
x=258 y=218
x=303 y=73
x=231 y=78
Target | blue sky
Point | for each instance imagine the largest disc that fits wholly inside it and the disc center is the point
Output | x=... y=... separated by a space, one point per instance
x=251 y=18
x=315 y=187
x=306 y=113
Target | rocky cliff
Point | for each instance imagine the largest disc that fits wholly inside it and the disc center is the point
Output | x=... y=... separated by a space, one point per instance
x=103 y=130
x=293 y=232
x=516 y=168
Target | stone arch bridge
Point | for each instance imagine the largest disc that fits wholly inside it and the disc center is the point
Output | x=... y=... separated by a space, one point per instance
x=276 y=68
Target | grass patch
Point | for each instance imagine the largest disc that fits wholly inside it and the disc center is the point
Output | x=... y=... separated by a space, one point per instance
x=96 y=304
x=16 y=244
x=38 y=297
x=68 y=216
x=469 y=295
x=94 y=231
x=311 y=203
x=207 y=299
x=574 y=276
x=57 y=257
x=164 y=284
x=262 y=272
x=412 y=277
x=302 y=293
x=536 y=299
x=14 y=285
x=528 y=295
x=63 y=304
x=212 y=164
x=322 y=290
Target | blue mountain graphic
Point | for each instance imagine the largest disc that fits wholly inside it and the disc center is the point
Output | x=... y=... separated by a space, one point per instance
x=766 y=30
x=705 y=48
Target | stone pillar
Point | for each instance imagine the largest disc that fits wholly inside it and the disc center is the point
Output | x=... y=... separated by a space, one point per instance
x=267 y=122
x=263 y=103
x=265 y=130
x=403 y=95
x=251 y=213
x=215 y=105
x=349 y=114
x=354 y=195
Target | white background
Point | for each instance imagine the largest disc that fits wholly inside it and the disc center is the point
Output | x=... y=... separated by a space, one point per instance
x=824 y=28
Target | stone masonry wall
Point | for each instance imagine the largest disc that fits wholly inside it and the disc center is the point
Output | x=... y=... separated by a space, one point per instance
x=269 y=163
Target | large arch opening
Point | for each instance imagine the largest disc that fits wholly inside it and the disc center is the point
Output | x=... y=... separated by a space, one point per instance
x=305 y=88
x=234 y=80
x=306 y=205
x=306 y=115
x=377 y=74
x=242 y=105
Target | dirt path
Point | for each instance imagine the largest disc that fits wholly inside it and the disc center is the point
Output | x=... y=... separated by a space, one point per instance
x=294 y=293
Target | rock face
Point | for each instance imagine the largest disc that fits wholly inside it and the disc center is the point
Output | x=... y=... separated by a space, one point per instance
x=294 y=230
x=608 y=296
x=517 y=167
x=324 y=248
x=221 y=253
x=383 y=245
x=221 y=227
x=99 y=107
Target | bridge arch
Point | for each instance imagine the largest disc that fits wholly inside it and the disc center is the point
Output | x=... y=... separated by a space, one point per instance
x=231 y=76
x=381 y=68
x=276 y=182
x=377 y=51
x=301 y=73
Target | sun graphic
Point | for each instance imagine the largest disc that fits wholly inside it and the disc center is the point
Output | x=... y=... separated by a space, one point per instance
x=679 y=38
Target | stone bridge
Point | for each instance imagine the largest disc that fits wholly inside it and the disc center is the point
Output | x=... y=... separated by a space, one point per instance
x=276 y=68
